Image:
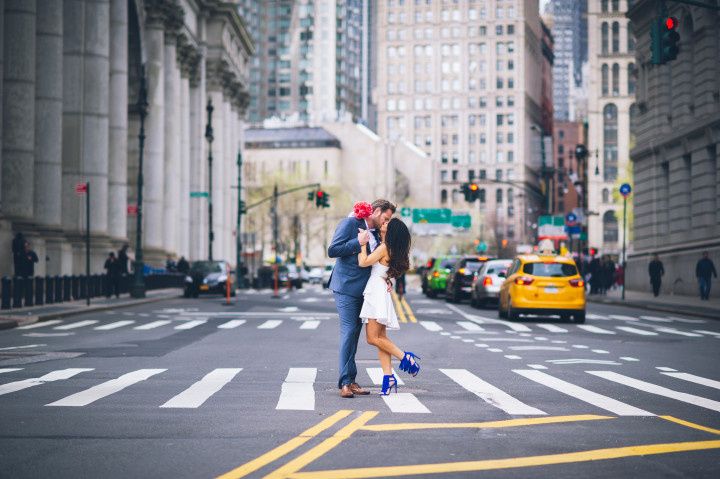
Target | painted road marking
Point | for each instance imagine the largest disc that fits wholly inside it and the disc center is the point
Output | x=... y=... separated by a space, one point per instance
x=9 y=370
x=489 y=393
x=191 y=324
x=678 y=332
x=641 y=332
x=659 y=390
x=502 y=424
x=198 y=393
x=376 y=376
x=521 y=328
x=153 y=325
x=27 y=346
x=657 y=319
x=701 y=331
x=685 y=320
x=594 y=329
x=312 y=324
x=585 y=395
x=79 y=324
x=512 y=356
x=622 y=317
x=552 y=328
x=665 y=368
x=398 y=308
x=297 y=391
x=408 y=311
x=538 y=348
x=53 y=376
x=628 y=358
x=469 y=326
x=270 y=324
x=41 y=324
x=405 y=403
x=115 y=325
x=88 y=396
x=582 y=361
x=537 y=366
x=233 y=323
x=695 y=379
x=431 y=326
x=595 y=316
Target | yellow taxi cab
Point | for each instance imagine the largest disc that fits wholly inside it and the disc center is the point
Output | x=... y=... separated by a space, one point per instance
x=543 y=285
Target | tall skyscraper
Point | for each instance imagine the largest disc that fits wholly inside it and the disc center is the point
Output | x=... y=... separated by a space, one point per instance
x=611 y=94
x=460 y=80
x=311 y=60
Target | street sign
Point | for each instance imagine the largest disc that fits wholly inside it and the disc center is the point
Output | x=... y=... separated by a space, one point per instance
x=432 y=215
x=482 y=247
x=570 y=218
x=132 y=210
x=461 y=221
x=199 y=194
x=551 y=227
x=406 y=211
x=80 y=188
x=625 y=190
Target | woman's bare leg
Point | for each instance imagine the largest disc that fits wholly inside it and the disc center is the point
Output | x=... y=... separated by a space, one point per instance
x=376 y=336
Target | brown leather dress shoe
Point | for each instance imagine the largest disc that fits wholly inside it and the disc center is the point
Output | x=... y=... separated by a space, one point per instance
x=346 y=392
x=356 y=389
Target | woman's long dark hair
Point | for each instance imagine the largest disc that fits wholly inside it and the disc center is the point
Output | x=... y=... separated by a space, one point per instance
x=397 y=240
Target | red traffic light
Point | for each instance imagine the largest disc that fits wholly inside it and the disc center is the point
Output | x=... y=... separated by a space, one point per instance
x=320 y=193
x=671 y=23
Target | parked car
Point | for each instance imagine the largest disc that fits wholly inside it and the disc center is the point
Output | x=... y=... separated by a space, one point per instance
x=543 y=284
x=208 y=277
x=326 y=275
x=486 y=286
x=459 y=282
x=315 y=276
x=423 y=271
x=437 y=275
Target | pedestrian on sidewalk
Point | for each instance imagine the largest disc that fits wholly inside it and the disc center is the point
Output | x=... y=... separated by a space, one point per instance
x=123 y=259
x=656 y=272
x=18 y=248
x=112 y=277
x=27 y=261
x=704 y=271
x=594 y=268
x=183 y=266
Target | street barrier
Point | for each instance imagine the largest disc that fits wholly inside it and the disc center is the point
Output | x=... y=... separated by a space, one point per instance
x=19 y=292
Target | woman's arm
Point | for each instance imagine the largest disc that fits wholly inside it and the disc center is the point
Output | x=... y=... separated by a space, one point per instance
x=364 y=260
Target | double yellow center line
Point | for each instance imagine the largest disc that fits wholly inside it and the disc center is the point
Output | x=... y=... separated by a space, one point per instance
x=404 y=313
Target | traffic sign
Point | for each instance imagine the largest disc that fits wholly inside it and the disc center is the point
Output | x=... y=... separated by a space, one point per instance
x=132 y=210
x=80 y=188
x=625 y=190
x=482 y=247
x=432 y=215
x=461 y=221
x=199 y=194
x=406 y=211
x=570 y=218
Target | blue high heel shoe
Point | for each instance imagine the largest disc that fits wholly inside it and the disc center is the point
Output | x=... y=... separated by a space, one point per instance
x=388 y=382
x=409 y=363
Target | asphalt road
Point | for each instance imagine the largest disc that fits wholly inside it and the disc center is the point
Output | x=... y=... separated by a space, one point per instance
x=195 y=388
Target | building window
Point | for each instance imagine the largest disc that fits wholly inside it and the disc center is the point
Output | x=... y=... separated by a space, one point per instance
x=443 y=176
x=604 y=5
x=605 y=79
x=498 y=196
x=443 y=196
x=605 y=33
x=610 y=142
x=605 y=195
x=632 y=78
x=615 y=37
x=615 y=5
x=616 y=79
x=630 y=38
x=610 y=227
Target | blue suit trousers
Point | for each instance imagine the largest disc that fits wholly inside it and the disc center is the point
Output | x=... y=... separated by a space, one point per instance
x=348 y=308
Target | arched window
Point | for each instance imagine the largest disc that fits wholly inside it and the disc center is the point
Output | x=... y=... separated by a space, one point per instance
x=616 y=80
x=605 y=33
x=610 y=227
x=615 y=37
x=498 y=196
x=604 y=5
x=615 y=5
x=443 y=196
x=632 y=78
x=630 y=38
x=605 y=79
x=481 y=196
x=610 y=142
x=605 y=195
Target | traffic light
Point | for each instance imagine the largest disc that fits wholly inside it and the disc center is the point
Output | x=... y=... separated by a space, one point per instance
x=311 y=195
x=243 y=209
x=581 y=152
x=326 y=200
x=322 y=199
x=664 y=40
x=471 y=191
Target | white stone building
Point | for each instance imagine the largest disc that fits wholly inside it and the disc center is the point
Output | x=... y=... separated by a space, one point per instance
x=611 y=94
x=70 y=86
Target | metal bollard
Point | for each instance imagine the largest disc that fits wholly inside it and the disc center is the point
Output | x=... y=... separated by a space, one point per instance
x=49 y=290
x=17 y=290
x=67 y=288
x=57 y=280
x=29 y=290
x=6 y=292
x=75 y=287
x=82 y=287
x=39 y=291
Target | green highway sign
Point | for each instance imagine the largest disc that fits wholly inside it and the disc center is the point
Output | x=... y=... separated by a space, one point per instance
x=405 y=211
x=432 y=215
x=461 y=221
x=199 y=194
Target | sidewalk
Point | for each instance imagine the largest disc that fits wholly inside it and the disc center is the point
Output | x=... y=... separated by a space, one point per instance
x=12 y=318
x=678 y=304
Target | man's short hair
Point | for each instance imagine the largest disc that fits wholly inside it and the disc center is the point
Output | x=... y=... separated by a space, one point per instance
x=383 y=205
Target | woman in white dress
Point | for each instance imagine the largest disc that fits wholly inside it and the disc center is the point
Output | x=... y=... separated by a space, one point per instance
x=390 y=259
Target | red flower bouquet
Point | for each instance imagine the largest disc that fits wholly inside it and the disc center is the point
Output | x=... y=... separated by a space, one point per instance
x=362 y=210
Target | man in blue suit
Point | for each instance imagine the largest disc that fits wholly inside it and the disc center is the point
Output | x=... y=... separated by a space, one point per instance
x=347 y=282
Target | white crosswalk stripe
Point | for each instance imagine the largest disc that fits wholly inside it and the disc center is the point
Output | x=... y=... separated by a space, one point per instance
x=656 y=319
x=594 y=329
x=552 y=328
x=590 y=397
x=705 y=331
x=489 y=393
x=83 y=398
x=405 y=403
x=469 y=326
x=678 y=332
x=641 y=332
x=9 y=370
x=52 y=376
x=201 y=391
x=42 y=324
x=153 y=325
x=521 y=328
x=312 y=324
x=695 y=379
x=233 y=323
x=659 y=390
x=79 y=324
x=376 y=376
x=191 y=324
x=595 y=316
x=623 y=317
x=115 y=325
x=431 y=326
x=297 y=391
x=270 y=324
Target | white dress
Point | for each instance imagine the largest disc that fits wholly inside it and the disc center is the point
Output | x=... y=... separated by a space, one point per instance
x=377 y=302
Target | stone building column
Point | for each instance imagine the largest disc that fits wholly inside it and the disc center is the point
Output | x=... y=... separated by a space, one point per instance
x=171 y=74
x=154 y=174
x=18 y=109
x=118 y=117
x=197 y=180
x=86 y=77
x=214 y=93
x=188 y=58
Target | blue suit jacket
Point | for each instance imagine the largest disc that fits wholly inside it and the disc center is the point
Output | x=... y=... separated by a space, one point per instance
x=347 y=277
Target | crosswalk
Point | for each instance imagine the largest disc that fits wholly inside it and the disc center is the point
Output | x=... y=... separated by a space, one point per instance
x=180 y=325
x=510 y=394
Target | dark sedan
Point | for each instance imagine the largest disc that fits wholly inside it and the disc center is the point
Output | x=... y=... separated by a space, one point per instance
x=208 y=277
x=459 y=283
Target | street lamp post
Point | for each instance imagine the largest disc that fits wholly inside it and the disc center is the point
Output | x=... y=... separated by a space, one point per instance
x=138 y=287
x=625 y=191
x=209 y=138
x=238 y=233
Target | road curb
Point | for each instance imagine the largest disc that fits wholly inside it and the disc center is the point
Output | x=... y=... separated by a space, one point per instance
x=654 y=307
x=10 y=322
